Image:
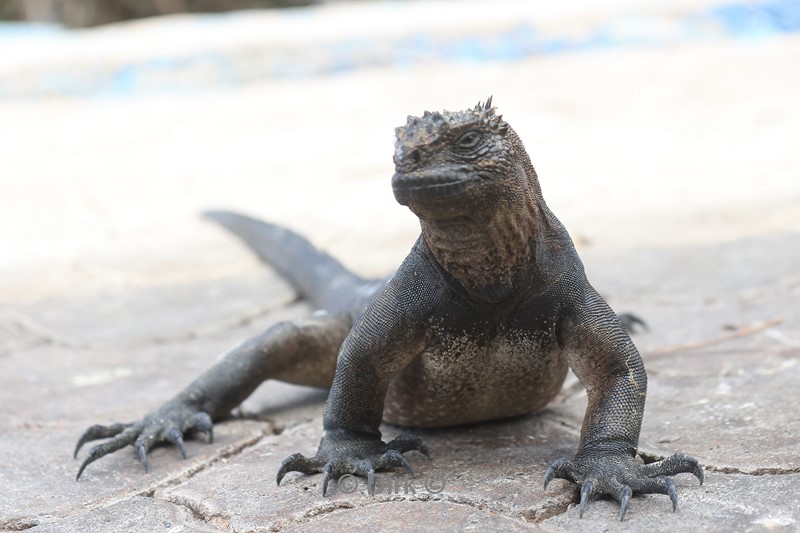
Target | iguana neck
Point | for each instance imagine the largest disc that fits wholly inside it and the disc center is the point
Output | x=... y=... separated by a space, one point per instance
x=487 y=250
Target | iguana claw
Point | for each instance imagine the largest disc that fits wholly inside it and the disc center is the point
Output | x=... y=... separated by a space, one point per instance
x=586 y=491
x=337 y=456
x=621 y=477
x=168 y=423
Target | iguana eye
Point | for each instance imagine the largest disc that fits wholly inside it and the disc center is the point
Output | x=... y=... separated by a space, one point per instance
x=468 y=140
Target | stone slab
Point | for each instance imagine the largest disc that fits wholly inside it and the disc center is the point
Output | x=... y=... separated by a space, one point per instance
x=738 y=503
x=705 y=371
x=400 y=515
x=38 y=474
x=137 y=513
x=131 y=315
x=690 y=294
x=52 y=393
x=14 y=337
x=731 y=415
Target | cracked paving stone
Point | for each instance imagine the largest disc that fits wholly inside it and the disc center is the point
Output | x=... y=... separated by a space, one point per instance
x=14 y=337
x=694 y=294
x=725 y=403
x=104 y=385
x=51 y=394
x=725 y=502
x=134 y=514
x=726 y=409
x=101 y=385
x=38 y=474
x=731 y=413
x=136 y=315
x=494 y=469
x=398 y=515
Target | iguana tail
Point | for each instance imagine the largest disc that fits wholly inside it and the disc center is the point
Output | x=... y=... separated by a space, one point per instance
x=317 y=276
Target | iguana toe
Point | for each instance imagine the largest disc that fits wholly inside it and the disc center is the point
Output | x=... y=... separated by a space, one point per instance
x=169 y=423
x=674 y=464
x=298 y=463
x=620 y=477
x=408 y=443
x=342 y=454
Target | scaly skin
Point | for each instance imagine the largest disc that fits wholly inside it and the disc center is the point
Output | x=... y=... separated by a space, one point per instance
x=480 y=322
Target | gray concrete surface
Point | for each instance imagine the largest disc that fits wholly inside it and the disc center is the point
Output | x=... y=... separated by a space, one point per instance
x=674 y=166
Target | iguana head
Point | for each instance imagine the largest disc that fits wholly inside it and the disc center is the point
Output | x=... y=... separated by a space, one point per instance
x=452 y=160
x=467 y=177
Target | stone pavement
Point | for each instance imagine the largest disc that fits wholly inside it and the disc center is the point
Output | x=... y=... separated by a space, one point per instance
x=673 y=166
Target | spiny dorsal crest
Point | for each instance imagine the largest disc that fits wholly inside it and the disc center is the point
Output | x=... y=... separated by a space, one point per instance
x=433 y=124
x=487 y=107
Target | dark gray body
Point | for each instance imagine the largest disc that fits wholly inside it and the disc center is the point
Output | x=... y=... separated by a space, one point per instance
x=476 y=360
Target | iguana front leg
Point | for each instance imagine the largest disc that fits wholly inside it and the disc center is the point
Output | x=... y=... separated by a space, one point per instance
x=383 y=343
x=301 y=351
x=606 y=361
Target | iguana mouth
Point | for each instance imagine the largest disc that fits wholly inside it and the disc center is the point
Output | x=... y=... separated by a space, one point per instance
x=430 y=187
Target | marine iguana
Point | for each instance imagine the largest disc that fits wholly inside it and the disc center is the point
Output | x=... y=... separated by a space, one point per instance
x=480 y=322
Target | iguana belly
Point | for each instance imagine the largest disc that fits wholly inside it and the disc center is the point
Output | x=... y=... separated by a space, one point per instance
x=461 y=379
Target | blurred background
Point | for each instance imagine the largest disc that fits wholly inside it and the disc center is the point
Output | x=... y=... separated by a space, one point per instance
x=652 y=124
x=664 y=132
x=83 y=13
